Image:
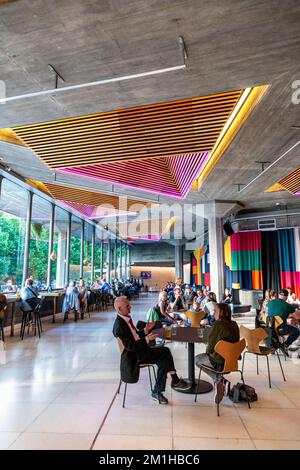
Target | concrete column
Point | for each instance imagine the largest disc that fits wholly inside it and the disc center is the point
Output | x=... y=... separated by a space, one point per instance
x=179 y=261
x=216 y=248
x=27 y=238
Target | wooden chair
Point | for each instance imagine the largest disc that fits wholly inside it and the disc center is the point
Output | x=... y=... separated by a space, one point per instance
x=142 y=366
x=253 y=339
x=195 y=317
x=275 y=323
x=230 y=353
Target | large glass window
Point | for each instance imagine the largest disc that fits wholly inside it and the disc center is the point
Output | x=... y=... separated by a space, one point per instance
x=13 y=212
x=39 y=241
x=59 y=253
x=87 y=257
x=75 y=243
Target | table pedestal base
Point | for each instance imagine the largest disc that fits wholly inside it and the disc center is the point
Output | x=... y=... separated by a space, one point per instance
x=203 y=387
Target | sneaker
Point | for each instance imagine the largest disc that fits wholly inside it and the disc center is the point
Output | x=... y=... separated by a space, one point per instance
x=284 y=349
x=226 y=387
x=181 y=385
x=158 y=396
x=219 y=391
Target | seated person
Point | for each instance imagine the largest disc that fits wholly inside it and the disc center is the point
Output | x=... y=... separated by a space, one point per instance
x=291 y=297
x=30 y=296
x=210 y=307
x=269 y=295
x=189 y=296
x=227 y=297
x=200 y=296
x=160 y=313
x=178 y=304
x=195 y=306
x=280 y=307
x=137 y=350
x=71 y=300
x=3 y=306
x=223 y=329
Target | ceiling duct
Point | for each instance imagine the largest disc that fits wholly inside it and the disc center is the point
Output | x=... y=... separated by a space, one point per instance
x=267 y=224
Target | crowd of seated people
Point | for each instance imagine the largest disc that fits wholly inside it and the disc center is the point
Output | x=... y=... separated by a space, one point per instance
x=281 y=304
x=176 y=299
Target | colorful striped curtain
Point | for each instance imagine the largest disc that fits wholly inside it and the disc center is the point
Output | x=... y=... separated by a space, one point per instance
x=289 y=258
x=243 y=260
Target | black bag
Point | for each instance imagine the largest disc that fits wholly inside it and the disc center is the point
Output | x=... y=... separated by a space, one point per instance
x=242 y=392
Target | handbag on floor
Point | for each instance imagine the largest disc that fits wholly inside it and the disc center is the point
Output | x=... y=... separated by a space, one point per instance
x=242 y=392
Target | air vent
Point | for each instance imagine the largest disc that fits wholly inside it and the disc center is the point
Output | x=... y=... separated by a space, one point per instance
x=267 y=224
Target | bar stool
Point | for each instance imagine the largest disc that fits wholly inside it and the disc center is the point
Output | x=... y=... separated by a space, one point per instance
x=27 y=318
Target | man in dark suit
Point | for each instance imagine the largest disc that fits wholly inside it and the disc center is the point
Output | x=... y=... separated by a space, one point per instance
x=137 y=350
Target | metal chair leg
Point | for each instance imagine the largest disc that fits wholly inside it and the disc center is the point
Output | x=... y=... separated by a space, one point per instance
x=269 y=372
x=281 y=366
x=29 y=320
x=119 y=387
x=242 y=379
x=124 y=398
x=22 y=325
x=150 y=379
x=243 y=361
x=257 y=371
x=197 y=385
x=38 y=325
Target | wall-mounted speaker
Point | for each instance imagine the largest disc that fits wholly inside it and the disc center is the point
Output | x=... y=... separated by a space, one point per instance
x=228 y=228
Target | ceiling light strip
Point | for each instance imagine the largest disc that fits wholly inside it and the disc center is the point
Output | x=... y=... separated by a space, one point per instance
x=90 y=84
x=270 y=166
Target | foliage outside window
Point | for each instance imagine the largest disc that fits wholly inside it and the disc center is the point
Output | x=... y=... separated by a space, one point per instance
x=75 y=244
x=39 y=241
x=87 y=256
x=58 y=270
x=13 y=212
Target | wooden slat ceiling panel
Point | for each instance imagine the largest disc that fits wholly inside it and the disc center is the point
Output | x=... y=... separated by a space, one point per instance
x=291 y=182
x=159 y=130
x=83 y=197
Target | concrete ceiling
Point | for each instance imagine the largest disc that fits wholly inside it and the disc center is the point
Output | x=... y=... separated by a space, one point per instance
x=231 y=45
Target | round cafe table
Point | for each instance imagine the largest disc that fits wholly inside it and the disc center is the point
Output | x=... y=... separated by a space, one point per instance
x=190 y=335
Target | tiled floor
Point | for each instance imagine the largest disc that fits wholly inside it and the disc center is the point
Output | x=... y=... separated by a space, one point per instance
x=59 y=392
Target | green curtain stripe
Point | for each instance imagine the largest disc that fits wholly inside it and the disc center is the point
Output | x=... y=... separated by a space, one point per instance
x=248 y=260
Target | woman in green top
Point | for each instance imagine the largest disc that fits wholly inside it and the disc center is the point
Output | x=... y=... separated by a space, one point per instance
x=223 y=329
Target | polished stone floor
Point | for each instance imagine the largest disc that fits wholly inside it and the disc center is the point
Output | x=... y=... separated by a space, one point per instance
x=59 y=392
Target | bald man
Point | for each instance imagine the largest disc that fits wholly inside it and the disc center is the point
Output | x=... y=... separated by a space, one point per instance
x=137 y=350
